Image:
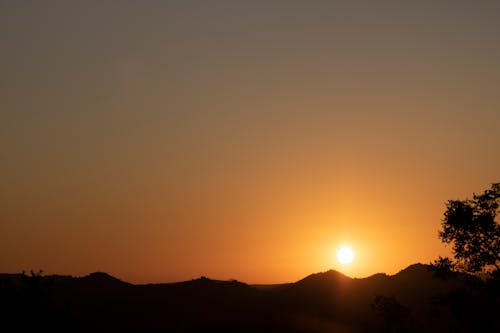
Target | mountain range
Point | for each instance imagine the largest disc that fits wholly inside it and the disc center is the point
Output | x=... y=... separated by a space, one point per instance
x=417 y=299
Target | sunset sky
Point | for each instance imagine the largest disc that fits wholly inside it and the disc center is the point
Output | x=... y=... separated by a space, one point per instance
x=164 y=140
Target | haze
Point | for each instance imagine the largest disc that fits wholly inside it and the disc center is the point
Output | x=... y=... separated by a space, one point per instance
x=162 y=141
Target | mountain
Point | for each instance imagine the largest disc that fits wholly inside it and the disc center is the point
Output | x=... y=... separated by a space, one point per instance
x=413 y=300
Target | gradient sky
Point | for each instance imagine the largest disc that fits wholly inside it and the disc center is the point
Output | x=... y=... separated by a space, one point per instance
x=164 y=140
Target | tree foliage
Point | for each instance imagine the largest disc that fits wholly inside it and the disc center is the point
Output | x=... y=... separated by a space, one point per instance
x=470 y=227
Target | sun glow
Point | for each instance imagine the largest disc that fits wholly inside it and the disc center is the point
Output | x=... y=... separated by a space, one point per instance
x=345 y=255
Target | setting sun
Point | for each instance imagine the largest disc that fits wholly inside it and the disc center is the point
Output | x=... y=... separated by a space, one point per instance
x=345 y=255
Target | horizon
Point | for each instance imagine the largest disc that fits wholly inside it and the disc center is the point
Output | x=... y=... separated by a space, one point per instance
x=158 y=141
x=251 y=283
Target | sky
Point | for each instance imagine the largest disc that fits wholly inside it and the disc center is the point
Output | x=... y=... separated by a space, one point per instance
x=161 y=141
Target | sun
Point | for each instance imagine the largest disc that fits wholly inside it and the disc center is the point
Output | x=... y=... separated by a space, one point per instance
x=345 y=255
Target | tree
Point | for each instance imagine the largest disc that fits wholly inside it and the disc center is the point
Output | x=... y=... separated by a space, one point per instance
x=396 y=317
x=470 y=226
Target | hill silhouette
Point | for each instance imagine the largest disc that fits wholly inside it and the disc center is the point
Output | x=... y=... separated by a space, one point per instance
x=414 y=300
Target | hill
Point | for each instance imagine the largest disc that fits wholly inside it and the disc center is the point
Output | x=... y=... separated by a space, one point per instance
x=413 y=300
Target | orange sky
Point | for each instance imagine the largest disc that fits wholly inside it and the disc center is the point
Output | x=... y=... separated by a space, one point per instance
x=165 y=141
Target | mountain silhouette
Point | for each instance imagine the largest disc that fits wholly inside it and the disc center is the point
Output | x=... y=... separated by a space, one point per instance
x=414 y=300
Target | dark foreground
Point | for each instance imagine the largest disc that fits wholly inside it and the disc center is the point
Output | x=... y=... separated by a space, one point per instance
x=417 y=299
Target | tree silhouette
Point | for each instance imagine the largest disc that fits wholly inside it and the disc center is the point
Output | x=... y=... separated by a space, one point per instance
x=396 y=316
x=470 y=226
